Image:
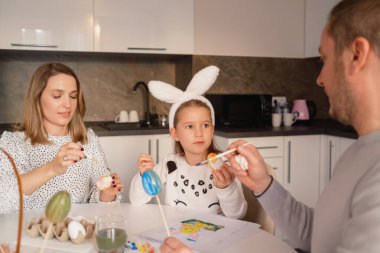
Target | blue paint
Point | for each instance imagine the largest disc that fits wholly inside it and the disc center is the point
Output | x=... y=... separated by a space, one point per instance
x=151 y=182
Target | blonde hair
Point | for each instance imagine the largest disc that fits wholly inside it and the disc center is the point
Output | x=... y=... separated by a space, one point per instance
x=350 y=19
x=32 y=123
x=178 y=149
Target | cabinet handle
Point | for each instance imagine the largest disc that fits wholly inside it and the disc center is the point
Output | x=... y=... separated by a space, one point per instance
x=275 y=168
x=150 y=147
x=267 y=147
x=157 y=150
x=330 y=158
x=33 y=45
x=289 y=155
x=148 y=48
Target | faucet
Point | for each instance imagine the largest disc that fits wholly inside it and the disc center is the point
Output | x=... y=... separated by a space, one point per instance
x=147 y=110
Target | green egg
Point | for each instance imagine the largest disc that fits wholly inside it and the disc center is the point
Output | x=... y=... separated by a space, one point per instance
x=58 y=207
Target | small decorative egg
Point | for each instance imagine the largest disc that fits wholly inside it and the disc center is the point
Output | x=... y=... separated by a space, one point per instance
x=104 y=182
x=214 y=164
x=74 y=228
x=151 y=182
x=242 y=162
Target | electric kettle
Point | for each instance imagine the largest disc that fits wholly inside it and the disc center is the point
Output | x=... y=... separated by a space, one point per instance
x=306 y=110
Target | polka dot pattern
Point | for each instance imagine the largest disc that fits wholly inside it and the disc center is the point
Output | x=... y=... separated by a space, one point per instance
x=80 y=178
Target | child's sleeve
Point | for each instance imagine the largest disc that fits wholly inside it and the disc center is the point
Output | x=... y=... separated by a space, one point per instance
x=232 y=200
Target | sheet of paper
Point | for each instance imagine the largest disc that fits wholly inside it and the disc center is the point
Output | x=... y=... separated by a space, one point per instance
x=206 y=232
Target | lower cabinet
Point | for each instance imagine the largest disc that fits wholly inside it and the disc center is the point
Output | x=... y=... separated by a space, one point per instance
x=122 y=153
x=301 y=167
x=332 y=148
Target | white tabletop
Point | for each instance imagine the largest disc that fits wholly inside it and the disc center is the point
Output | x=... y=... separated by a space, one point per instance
x=140 y=219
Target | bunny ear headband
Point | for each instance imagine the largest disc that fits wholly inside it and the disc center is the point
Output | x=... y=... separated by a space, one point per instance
x=201 y=82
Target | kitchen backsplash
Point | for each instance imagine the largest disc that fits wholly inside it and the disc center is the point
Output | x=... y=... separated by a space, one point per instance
x=107 y=79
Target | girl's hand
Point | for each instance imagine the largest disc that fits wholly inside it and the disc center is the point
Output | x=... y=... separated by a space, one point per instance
x=110 y=193
x=67 y=155
x=145 y=162
x=222 y=177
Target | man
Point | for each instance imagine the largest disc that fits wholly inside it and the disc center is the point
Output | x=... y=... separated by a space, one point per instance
x=347 y=214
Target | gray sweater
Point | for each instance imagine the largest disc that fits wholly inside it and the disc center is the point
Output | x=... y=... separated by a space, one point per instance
x=347 y=215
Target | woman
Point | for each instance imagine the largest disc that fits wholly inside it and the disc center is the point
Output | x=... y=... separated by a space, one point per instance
x=52 y=148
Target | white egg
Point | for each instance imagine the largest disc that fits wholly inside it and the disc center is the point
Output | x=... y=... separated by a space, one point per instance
x=242 y=162
x=74 y=228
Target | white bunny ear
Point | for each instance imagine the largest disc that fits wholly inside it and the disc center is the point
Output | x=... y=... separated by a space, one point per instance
x=164 y=91
x=203 y=80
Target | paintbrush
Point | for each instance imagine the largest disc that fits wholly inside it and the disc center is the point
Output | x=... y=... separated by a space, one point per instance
x=220 y=155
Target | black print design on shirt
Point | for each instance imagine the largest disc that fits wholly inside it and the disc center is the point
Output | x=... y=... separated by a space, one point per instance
x=216 y=203
x=172 y=166
x=179 y=202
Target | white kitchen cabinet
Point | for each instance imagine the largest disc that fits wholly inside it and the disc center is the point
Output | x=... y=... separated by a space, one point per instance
x=301 y=167
x=122 y=153
x=316 y=14
x=330 y=153
x=46 y=25
x=332 y=148
x=144 y=26
x=270 y=148
x=267 y=28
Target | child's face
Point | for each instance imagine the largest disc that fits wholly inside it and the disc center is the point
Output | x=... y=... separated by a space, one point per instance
x=194 y=129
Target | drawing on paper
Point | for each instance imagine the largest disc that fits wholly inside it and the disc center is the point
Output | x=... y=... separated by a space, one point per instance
x=195 y=230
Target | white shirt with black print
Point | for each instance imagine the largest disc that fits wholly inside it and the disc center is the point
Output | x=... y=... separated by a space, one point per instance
x=192 y=187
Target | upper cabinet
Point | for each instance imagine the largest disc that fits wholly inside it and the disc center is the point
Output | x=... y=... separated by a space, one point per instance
x=268 y=28
x=46 y=25
x=144 y=26
x=315 y=19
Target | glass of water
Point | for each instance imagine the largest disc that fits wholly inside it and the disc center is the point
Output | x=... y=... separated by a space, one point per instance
x=110 y=233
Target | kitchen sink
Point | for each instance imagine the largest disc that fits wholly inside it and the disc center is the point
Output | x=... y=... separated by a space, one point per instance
x=112 y=126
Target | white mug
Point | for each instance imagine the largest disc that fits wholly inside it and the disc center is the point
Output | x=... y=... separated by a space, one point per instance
x=276 y=119
x=122 y=117
x=290 y=118
x=133 y=116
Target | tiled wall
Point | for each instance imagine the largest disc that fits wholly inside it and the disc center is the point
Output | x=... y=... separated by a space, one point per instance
x=107 y=79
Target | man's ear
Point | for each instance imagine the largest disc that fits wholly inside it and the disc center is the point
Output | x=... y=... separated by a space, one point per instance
x=173 y=134
x=358 y=55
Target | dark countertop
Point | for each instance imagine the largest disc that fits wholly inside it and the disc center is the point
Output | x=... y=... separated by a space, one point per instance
x=318 y=126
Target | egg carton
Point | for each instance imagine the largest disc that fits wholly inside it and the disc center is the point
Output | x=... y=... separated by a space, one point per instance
x=61 y=231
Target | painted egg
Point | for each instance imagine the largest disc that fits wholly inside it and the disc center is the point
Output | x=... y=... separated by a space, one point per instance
x=104 y=182
x=242 y=162
x=214 y=164
x=151 y=182
x=74 y=228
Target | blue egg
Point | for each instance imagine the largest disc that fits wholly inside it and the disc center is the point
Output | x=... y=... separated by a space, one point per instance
x=151 y=182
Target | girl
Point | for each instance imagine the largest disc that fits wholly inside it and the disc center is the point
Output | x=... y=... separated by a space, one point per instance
x=191 y=122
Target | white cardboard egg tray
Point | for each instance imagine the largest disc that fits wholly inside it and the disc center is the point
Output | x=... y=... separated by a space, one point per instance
x=46 y=229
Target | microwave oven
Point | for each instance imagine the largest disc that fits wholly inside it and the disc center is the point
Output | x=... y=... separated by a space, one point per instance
x=241 y=110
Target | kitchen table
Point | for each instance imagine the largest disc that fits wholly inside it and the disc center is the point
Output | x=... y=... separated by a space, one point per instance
x=138 y=220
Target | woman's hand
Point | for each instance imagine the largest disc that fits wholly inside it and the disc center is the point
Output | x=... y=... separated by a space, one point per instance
x=173 y=245
x=145 y=162
x=67 y=155
x=256 y=177
x=222 y=177
x=110 y=193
